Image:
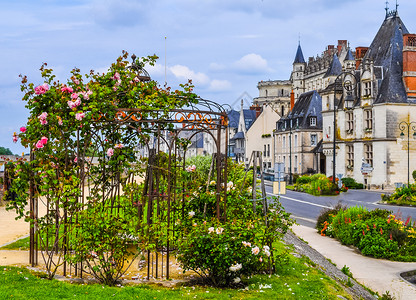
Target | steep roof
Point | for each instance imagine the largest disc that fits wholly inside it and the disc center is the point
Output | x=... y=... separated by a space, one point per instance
x=349 y=55
x=233 y=117
x=249 y=117
x=299 y=56
x=308 y=105
x=335 y=68
x=386 y=51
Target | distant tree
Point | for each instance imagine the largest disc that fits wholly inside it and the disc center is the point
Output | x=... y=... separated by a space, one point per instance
x=5 y=151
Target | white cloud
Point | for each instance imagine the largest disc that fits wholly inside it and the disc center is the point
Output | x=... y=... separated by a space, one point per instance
x=220 y=85
x=252 y=63
x=183 y=72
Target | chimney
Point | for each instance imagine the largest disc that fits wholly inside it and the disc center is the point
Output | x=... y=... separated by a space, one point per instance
x=409 y=64
x=292 y=100
x=359 y=54
x=257 y=109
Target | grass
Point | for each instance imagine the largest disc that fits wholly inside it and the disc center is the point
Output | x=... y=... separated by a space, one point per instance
x=295 y=278
x=22 y=244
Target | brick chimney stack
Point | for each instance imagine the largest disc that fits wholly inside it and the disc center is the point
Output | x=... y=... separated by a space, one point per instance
x=359 y=54
x=292 y=100
x=409 y=64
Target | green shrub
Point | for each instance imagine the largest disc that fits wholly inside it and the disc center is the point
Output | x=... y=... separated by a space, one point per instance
x=326 y=215
x=351 y=183
x=223 y=252
x=376 y=233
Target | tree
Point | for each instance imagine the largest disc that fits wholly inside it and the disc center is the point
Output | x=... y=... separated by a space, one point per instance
x=5 y=151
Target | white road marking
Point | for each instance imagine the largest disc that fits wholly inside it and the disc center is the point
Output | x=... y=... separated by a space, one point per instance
x=301 y=201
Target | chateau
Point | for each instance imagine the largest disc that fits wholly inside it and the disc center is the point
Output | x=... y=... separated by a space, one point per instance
x=371 y=92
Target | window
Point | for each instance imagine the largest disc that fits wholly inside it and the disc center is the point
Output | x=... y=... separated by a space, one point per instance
x=368 y=119
x=264 y=152
x=284 y=142
x=367 y=88
x=350 y=157
x=284 y=163
x=313 y=139
x=350 y=121
x=268 y=150
x=296 y=164
x=297 y=123
x=312 y=121
x=296 y=140
x=267 y=92
x=368 y=154
x=283 y=110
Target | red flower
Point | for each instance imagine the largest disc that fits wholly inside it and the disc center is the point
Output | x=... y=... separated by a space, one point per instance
x=381 y=230
x=363 y=233
x=391 y=236
x=374 y=226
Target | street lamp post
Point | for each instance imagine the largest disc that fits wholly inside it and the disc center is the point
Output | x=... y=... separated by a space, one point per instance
x=290 y=152
x=349 y=84
x=402 y=126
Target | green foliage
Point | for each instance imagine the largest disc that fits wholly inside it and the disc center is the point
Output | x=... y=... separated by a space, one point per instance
x=326 y=215
x=223 y=252
x=376 y=233
x=5 y=151
x=351 y=183
x=405 y=195
x=317 y=184
x=346 y=270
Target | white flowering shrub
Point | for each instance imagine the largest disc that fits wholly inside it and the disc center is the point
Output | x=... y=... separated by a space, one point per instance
x=223 y=253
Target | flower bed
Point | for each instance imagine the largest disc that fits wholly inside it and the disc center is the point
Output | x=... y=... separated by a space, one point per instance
x=405 y=195
x=318 y=184
x=376 y=233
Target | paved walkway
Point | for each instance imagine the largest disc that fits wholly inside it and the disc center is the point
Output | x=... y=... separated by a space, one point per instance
x=377 y=274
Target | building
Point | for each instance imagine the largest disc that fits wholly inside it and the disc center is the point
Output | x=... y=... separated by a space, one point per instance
x=368 y=147
x=260 y=137
x=297 y=136
x=276 y=94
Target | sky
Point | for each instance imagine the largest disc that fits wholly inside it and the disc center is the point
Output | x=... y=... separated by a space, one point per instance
x=225 y=46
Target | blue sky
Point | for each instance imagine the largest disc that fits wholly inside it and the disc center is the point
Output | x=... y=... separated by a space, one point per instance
x=225 y=46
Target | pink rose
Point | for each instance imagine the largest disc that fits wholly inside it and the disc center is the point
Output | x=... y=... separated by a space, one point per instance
x=39 y=145
x=15 y=137
x=75 y=159
x=119 y=146
x=76 y=81
x=42 y=118
x=116 y=76
x=23 y=129
x=79 y=116
x=41 y=89
x=74 y=96
x=44 y=140
x=66 y=89
x=110 y=152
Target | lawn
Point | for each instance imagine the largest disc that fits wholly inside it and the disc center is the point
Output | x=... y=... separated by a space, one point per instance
x=296 y=278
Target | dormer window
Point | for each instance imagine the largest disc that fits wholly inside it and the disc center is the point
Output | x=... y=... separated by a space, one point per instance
x=312 y=121
x=367 y=89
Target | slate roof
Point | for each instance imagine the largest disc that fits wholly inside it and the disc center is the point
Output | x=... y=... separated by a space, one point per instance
x=238 y=135
x=308 y=105
x=335 y=68
x=349 y=55
x=249 y=117
x=233 y=118
x=386 y=51
x=299 y=56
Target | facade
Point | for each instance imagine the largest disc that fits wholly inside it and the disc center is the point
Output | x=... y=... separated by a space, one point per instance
x=298 y=135
x=368 y=144
x=274 y=93
x=260 y=136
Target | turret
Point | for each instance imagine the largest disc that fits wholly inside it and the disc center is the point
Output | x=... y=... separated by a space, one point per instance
x=299 y=66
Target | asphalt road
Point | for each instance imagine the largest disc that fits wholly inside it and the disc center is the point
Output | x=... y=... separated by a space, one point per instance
x=305 y=208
